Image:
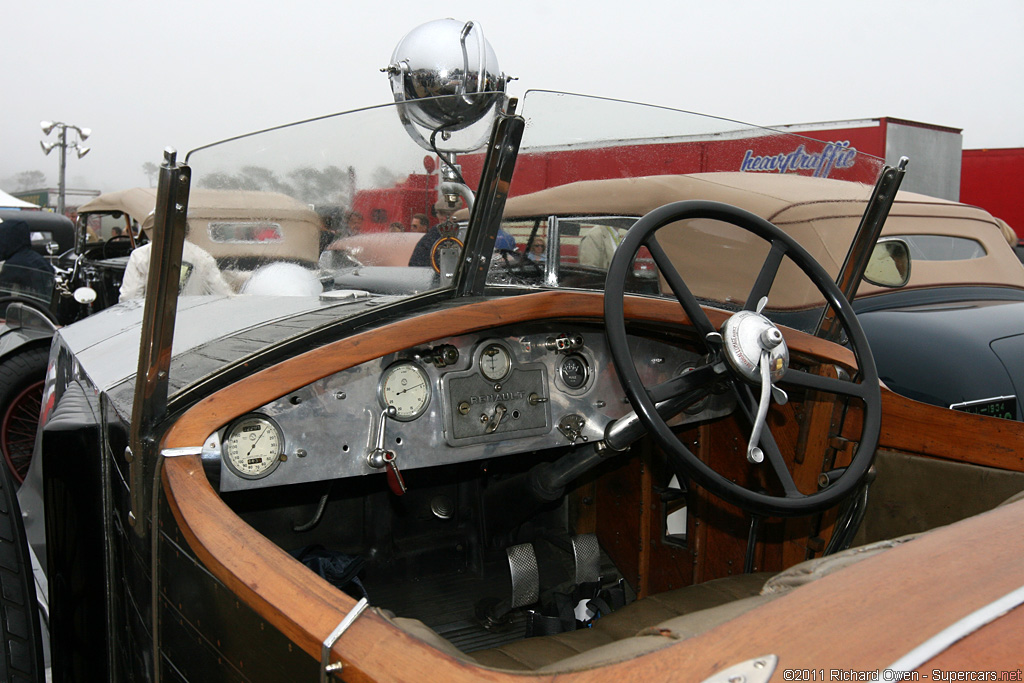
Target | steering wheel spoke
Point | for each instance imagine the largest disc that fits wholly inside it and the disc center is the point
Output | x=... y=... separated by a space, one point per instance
x=692 y=381
x=829 y=385
x=683 y=294
x=766 y=278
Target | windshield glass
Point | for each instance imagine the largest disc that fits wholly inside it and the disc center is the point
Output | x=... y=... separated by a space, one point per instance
x=588 y=168
x=31 y=284
x=315 y=217
x=300 y=225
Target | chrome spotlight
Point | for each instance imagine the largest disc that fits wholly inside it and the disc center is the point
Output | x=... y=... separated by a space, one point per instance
x=445 y=77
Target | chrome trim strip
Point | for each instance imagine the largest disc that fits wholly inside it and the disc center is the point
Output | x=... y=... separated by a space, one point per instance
x=178 y=452
x=949 y=635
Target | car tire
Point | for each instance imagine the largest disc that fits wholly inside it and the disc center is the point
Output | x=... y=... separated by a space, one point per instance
x=21 y=392
x=21 y=651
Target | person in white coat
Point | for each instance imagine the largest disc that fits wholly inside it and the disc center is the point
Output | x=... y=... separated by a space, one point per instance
x=199 y=273
x=598 y=246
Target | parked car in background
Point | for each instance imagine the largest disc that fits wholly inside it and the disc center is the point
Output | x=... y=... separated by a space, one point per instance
x=52 y=234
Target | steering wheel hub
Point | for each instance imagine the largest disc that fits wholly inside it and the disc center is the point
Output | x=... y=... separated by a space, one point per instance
x=745 y=336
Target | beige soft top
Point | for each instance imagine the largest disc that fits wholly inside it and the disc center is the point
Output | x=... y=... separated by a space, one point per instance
x=821 y=214
x=299 y=225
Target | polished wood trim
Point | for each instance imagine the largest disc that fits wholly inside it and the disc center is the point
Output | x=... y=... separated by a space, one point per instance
x=923 y=429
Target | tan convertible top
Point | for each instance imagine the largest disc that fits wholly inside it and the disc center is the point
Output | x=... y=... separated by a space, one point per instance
x=821 y=214
x=299 y=225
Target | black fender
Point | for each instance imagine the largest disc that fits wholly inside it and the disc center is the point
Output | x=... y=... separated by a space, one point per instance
x=24 y=324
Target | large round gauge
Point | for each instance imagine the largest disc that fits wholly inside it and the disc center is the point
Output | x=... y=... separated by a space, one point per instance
x=405 y=387
x=495 y=362
x=253 y=445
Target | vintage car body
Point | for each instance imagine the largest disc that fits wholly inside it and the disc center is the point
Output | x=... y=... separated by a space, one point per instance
x=231 y=225
x=52 y=234
x=402 y=487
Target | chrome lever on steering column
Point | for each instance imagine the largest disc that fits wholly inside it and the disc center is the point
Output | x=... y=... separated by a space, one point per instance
x=756 y=351
x=770 y=338
x=754 y=453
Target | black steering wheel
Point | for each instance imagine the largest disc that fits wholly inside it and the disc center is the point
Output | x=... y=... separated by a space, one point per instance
x=731 y=366
x=118 y=245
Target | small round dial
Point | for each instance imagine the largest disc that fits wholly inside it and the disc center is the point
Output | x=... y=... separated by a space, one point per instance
x=574 y=371
x=253 y=445
x=495 y=362
x=405 y=387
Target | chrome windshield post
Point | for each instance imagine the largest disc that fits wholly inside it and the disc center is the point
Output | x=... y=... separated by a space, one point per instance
x=864 y=241
x=490 y=202
x=150 y=404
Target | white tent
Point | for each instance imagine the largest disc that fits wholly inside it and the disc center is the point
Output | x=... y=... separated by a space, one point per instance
x=9 y=202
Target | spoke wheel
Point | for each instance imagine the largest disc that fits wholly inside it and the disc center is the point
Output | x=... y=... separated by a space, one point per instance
x=18 y=430
x=21 y=392
x=790 y=502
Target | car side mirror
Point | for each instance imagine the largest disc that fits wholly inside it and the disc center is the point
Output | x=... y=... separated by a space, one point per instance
x=889 y=264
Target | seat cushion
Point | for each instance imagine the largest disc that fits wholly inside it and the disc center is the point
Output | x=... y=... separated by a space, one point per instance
x=535 y=653
x=812 y=570
x=659 y=636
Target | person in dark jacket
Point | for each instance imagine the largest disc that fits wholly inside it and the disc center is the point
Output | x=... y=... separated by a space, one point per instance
x=24 y=270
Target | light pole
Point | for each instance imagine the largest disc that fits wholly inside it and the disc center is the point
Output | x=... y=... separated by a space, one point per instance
x=62 y=142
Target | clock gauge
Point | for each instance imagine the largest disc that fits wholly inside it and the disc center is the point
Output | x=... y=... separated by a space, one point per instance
x=405 y=386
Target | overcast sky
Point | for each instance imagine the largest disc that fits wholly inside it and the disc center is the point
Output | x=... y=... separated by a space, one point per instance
x=147 y=75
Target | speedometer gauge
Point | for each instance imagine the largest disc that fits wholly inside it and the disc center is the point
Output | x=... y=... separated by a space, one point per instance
x=253 y=445
x=405 y=387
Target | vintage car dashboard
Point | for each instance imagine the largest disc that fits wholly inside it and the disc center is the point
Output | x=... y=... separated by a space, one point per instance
x=491 y=394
